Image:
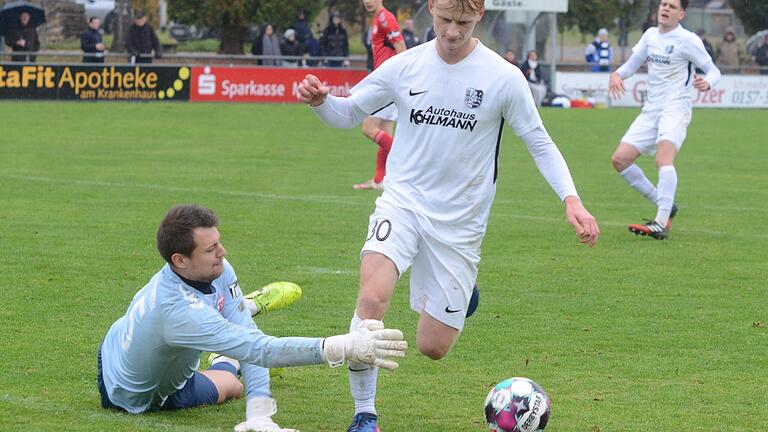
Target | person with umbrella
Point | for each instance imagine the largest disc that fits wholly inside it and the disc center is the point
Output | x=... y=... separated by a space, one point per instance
x=23 y=38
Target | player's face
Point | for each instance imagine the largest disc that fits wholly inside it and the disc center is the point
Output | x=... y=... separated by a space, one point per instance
x=670 y=13
x=206 y=262
x=453 y=26
x=373 y=5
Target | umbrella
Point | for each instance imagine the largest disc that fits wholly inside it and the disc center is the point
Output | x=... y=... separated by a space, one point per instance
x=9 y=14
x=755 y=41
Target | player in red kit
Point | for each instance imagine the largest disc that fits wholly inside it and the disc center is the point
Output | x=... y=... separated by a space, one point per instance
x=387 y=41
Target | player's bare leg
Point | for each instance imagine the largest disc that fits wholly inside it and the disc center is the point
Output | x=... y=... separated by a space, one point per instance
x=379 y=131
x=434 y=338
x=378 y=276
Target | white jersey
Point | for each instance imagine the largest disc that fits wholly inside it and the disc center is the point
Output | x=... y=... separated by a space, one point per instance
x=443 y=164
x=672 y=58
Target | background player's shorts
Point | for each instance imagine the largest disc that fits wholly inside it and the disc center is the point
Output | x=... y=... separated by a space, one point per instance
x=389 y=113
x=650 y=127
x=442 y=274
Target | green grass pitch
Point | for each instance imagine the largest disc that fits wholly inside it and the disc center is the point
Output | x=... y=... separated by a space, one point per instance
x=632 y=335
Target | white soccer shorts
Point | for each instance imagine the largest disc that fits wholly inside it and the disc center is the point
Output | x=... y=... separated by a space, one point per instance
x=389 y=113
x=442 y=275
x=650 y=127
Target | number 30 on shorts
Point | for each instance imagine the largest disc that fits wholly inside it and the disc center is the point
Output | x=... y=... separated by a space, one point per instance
x=381 y=229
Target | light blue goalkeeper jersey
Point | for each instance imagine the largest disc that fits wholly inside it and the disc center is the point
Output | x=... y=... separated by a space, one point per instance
x=150 y=352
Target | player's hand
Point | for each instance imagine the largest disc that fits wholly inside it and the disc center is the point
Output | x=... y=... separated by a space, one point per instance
x=312 y=91
x=582 y=221
x=700 y=83
x=370 y=344
x=616 y=86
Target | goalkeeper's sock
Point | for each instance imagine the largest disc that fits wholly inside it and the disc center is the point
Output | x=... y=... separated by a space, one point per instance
x=253 y=308
x=362 y=380
x=224 y=363
x=636 y=178
x=384 y=140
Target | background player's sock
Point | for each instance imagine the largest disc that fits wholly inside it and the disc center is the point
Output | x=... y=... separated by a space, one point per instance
x=667 y=188
x=636 y=178
x=384 y=140
x=362 y=380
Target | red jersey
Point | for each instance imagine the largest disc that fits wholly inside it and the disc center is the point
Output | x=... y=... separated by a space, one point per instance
x=385 y=31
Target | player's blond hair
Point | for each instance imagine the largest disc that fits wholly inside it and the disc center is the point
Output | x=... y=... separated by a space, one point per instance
x=465 y=6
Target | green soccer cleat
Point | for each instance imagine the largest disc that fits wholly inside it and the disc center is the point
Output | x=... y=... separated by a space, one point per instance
x=274 y=296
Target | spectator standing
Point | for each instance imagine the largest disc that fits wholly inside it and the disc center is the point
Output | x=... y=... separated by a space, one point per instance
x=707 y=47
x=599 y=52
x=511 y=57
x=92 y=42
x=650 y=21
x=23 y=38
x=532 y=72
x=761 y=56
x=729 y=52
x=410 y=37
x=291 y=47
x=142 y=40
x=429 y=34
x=303 y=33
x=335 y=42
x=312 y=49
x=270 y=46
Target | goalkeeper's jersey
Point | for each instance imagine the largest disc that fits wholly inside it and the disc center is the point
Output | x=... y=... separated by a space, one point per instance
x=443 y=164
x=151 y=351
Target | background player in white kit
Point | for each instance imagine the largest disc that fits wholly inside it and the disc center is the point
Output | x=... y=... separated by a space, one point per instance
x=453 y=96
x=149 y=358
x=672 y=52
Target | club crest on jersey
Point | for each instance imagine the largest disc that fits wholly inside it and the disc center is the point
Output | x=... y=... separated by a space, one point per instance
x=234 y=289
x=473 y=98
x=669 y=49
x=220 y=304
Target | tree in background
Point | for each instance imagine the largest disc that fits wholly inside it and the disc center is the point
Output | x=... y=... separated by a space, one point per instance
x=752 y=13
x=232 y=18
x=615 y=15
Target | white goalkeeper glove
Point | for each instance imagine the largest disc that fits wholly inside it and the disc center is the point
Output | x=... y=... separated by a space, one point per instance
x=258 y=414
x=370 y=344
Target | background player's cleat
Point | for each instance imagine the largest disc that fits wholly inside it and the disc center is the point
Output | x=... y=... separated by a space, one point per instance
x=364 y=422
x=369 y=185
x=651 y=229
x=474 y=301
x=672 y=214
x=274 y=296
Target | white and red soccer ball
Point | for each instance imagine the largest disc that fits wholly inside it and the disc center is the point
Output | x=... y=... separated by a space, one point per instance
x=517 y=405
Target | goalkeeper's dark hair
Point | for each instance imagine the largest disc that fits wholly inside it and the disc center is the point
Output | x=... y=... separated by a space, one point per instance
x=176 y=231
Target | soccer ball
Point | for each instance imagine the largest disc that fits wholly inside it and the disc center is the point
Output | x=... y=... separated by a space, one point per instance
x=517 y=405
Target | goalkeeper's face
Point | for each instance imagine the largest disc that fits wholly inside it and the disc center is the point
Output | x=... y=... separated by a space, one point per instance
x=206 y=262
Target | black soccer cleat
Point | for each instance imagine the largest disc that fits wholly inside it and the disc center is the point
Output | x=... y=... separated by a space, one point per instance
x=651 y=228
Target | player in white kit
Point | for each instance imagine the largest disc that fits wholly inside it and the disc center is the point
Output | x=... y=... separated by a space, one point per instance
x=672 y=53
x=453 y=96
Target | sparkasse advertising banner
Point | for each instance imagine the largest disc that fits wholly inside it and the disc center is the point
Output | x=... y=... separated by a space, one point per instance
x=255 y=84
x=94 y=82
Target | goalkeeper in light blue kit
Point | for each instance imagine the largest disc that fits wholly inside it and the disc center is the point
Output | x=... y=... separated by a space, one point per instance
x=149 y=358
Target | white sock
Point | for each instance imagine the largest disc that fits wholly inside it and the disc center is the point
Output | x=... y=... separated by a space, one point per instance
x=253 y=308
x=636 y=178
x=362 y=380
x=225 y=359
x=667 y=188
